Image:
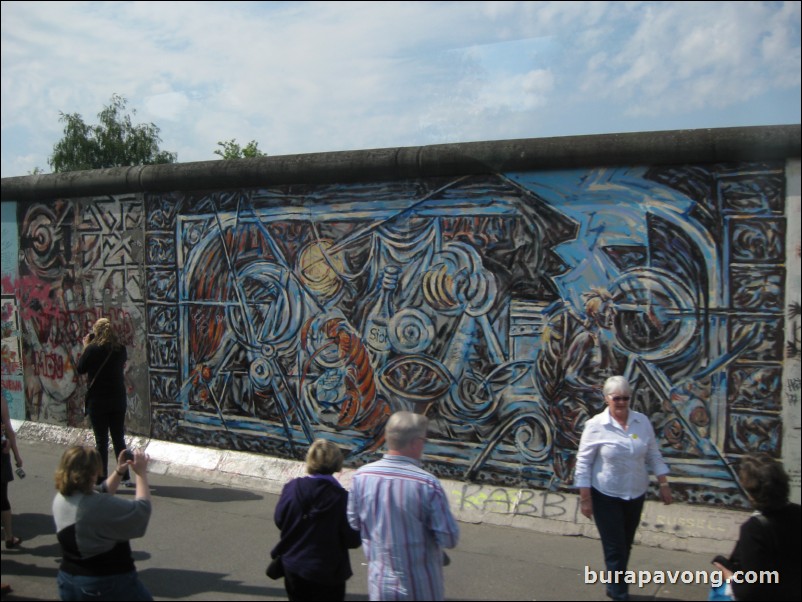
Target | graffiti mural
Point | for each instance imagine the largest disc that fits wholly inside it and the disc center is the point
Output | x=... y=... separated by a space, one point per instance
x=495 y=304
x=79 y=261
x=12 y=359
x=12 y=389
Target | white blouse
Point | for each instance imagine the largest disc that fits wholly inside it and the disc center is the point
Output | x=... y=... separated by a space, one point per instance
x=615 y=461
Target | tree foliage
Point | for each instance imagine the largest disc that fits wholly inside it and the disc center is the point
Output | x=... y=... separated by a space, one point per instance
x=232 y=150
x=114 y=142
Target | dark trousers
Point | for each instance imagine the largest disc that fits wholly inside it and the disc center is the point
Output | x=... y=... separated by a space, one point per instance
x=617 y=520
x=104 y=423
x=303 y=590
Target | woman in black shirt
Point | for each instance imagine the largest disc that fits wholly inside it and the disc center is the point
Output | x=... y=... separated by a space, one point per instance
x=769 y=542
x=103 y=359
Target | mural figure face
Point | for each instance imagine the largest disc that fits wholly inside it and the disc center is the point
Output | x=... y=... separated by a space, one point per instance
x=601 y=310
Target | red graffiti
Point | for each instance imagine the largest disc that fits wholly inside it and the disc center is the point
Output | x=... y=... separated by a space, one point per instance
x=49 y=365
x=8 y=285
x=12 y=385
x=43 y=306
x=11 y=363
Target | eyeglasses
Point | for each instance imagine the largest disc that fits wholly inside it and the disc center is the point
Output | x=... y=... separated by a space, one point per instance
x=619 y=397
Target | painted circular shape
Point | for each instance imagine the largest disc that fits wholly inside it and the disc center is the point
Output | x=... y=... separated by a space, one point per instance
x=411 y=331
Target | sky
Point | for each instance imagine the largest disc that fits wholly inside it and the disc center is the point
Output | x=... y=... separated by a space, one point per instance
x=305 y=77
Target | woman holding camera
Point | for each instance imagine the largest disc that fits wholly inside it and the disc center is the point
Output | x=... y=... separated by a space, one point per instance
x=103 y=359
x=93 y=527
x=769 y=541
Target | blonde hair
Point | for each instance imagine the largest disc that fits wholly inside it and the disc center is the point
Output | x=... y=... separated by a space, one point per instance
x=78 y=470
x=403 y=428
x=323 y=457
x=105 y=333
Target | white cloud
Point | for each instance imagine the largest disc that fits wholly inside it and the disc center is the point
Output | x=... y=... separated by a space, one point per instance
x=686 y=56
x=321 y=76
x=518 y=92
x=170 y=105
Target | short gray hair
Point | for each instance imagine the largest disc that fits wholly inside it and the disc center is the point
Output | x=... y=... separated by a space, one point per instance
x=403 y=428
x=617 y=384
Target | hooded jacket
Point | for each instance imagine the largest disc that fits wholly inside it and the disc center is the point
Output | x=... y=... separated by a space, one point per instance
x=315 y=534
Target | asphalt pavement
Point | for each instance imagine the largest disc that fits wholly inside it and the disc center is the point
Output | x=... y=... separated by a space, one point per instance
x=207 y=542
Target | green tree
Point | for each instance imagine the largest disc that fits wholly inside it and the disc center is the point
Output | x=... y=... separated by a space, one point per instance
x=232 y=150
x=114 y=142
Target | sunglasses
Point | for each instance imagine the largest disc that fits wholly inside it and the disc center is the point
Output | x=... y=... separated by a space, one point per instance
x=619 y=397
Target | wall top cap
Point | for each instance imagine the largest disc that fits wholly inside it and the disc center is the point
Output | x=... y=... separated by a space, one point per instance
x=754 y=143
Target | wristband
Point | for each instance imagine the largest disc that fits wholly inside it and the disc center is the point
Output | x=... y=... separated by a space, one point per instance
x=664 y=485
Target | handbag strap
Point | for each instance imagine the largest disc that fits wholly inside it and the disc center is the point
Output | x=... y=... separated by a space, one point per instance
x=99 y=370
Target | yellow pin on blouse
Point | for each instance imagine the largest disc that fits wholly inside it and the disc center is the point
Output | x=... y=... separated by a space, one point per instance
x=634 y=436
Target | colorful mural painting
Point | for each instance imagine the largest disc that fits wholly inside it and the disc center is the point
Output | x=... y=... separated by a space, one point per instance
x=78 y=261
x=12 y=382
x=496 y=304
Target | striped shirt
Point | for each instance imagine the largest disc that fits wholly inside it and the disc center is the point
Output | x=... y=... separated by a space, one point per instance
x=402 y=514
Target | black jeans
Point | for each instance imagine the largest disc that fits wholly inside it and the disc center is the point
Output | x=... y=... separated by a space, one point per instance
x=104 y=422
x=617 y=520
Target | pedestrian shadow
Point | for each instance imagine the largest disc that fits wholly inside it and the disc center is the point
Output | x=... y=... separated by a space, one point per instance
x=14 y=595
x=204 y=494
x=26 y=569
x=29 y=525
x=179 y=583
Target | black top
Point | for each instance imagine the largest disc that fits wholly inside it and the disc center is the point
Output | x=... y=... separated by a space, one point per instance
x=770 y=543
x=108 y=383
x=315 y=534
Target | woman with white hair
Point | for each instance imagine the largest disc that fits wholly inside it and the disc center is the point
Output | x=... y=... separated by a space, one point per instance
x=617 y=451
x=103 y=359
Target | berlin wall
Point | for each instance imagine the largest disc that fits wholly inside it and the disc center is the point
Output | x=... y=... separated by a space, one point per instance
x=491 y=286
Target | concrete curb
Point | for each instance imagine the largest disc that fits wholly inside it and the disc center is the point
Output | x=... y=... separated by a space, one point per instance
x=682 y=527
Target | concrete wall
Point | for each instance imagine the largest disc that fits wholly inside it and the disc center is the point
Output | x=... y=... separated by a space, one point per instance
x=493 y=286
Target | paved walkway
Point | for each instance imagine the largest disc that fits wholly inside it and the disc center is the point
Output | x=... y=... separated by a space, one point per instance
x=208 y=541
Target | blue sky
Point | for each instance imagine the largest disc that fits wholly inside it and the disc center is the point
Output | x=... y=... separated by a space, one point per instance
x=302 y=77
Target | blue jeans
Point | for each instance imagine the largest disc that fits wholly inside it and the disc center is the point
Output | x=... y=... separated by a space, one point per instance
x=125 y=586
x=617 y=520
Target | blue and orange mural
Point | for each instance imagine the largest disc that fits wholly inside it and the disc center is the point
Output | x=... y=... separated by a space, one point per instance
x=495 y=304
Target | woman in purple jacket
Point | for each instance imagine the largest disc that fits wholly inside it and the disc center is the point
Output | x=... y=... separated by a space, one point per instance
x=315 y=535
